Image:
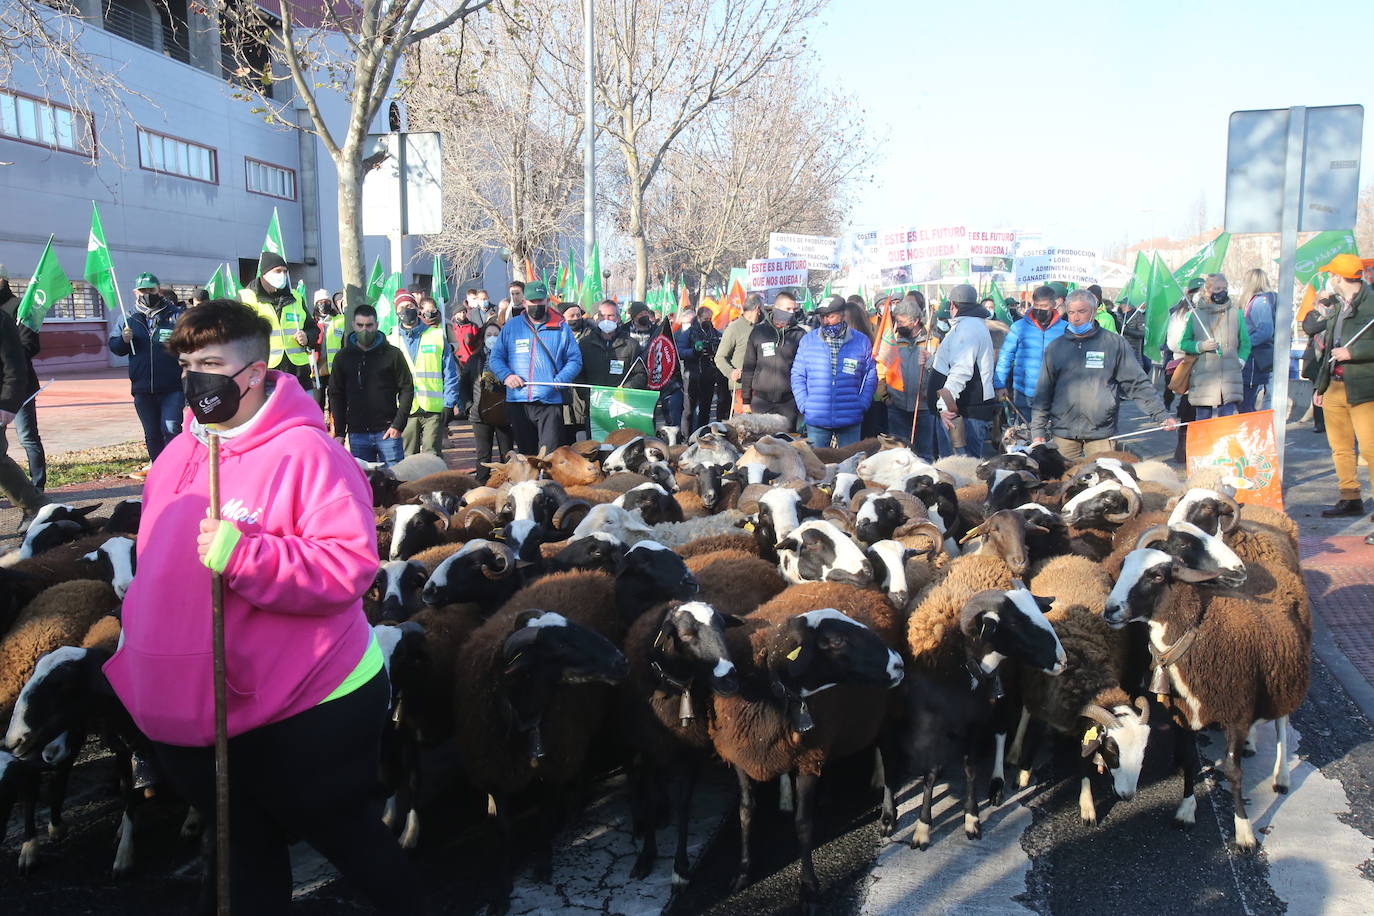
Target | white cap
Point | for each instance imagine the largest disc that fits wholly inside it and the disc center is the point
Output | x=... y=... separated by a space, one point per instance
x=321 y=295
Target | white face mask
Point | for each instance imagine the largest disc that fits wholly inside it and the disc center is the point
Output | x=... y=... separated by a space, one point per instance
x=276 y=278
x=607 y=326
x=489 y=341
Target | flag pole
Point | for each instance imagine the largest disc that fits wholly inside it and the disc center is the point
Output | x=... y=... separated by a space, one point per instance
x=221 y=711
x=119 y=297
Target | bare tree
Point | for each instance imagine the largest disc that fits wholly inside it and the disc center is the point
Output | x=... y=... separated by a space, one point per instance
x=729 y=184
x=512 y=160
x=1364 y=221
x=660 y=65
x=352 y=49
x=44 y=37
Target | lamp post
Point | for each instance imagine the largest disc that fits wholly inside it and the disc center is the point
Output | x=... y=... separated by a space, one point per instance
x=505 y=257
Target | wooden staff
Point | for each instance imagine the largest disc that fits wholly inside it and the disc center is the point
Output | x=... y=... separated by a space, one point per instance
x=221 y=710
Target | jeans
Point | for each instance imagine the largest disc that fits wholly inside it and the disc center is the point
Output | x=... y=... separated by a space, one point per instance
x=14 y=483
x=929 y=437
x=372 y=447
x=1253 y=379
x=1023 y=406
x=26 y=429
x=708 y=385
x=160 y=415
x=1207 y=413
x=311 y=777
x=819 y=436
x=668 y=410
x=875 y=421
x=975 y=435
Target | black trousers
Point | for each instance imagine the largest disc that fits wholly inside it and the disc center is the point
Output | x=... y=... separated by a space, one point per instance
x=535 y=426
x=312 y=777
x=708 y=385
x=484 y=435
x=787 y=408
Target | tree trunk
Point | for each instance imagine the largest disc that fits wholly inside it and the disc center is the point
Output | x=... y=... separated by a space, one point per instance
x=636 y=214
x=349 y=167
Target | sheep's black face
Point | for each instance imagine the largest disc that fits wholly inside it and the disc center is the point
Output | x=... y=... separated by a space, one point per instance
x=1052 y=465
x=413 y=529
x=708 y=485
x=536 y=500
x=597 y=551
x=125 y=517
x=481 y=572
x=1146 y=575
x=825 y=648
x=663 y=574
x=1202 y=556
x=52 y=705
x=939 y=495
x=547 y=649
x=1013 y=625
x=877 y=519
x=397 y=588
x=653 y=504
x=660 y=473
x=692 y=646
x=1010 y=461
x=819 y=552
x=1011 y=488
x=1092 y=507
x=404 y=647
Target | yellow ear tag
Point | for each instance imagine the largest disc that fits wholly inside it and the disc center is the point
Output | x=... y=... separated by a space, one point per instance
x=1090 y=735
x=748 y=526
x=792 y=656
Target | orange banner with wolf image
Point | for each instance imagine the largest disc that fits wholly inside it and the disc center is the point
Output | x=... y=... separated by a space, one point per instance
x=1243 y=446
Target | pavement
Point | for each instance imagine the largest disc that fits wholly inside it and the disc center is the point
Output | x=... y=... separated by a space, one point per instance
x=1036 y=856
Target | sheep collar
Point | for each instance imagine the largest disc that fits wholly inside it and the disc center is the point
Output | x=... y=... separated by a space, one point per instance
x=1161 y=660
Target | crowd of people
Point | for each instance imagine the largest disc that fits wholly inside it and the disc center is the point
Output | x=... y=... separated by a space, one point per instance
x=953 y=378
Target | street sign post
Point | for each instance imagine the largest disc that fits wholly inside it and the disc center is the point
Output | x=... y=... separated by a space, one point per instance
x=403 y=191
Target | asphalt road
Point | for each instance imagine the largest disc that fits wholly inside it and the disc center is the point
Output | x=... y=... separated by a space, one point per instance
x=1035 y=855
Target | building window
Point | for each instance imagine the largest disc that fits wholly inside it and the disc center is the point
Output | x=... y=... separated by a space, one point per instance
x=82 y=305
x=160 y=25
x=272 y=180
x=161 y=153
x=44 y=123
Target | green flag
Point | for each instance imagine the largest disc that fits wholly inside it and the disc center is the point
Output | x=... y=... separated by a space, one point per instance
x=1164 y=293
x=48 y=285
x=1137 y=291
x=621 y=408
x=1206 y=261
x=809 y=305
x=591 y=284
x=99 y=270
x=1318 y=252
x=999 y=308
x=219 y=286
x=825 y=296
x=385 y=305
x=438 y=285
x=272 y=242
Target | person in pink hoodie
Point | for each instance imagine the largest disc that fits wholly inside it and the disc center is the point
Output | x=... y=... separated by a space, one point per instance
x=307 y=693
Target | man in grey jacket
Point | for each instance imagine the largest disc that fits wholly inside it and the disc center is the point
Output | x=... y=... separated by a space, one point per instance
x=1083 y=376
x=735 y=340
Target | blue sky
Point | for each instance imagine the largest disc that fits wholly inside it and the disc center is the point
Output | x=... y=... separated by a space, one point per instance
x=1094 y=121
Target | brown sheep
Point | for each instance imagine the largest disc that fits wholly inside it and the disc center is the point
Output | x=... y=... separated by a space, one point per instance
x=58 y=616
x=455 y=482
x=585 y=597
x=714 y=542
x=1124 y=538
x=595 y=495
x=734 y=581
x=1154 y=497
x=103 y=635
x=1272 y=518
x=1073 y=581
x=570 y=468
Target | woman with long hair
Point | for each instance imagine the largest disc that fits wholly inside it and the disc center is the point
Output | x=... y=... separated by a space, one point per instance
x=1258 y=304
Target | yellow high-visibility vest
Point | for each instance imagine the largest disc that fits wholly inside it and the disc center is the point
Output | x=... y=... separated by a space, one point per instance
x=283 y=339
x=427 y=369
x=331 y=342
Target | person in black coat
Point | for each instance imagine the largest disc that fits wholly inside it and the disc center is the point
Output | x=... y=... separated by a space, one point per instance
x=370 y=392
x=486 y=410
x=766 y=380
x=707 y=385
x=14 y=483
x=26 y=421
x=154 y=374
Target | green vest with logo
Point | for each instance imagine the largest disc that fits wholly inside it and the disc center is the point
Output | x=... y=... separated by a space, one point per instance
x=331 y=342
x=283 y=339
x=427 y=368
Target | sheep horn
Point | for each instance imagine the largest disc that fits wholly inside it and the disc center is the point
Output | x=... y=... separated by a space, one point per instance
x=1142 y=703
x=1150 y=535
x=508 y=557
x=485 y=513
x=930 y=530
x=1223 y=526
x=1100 y=715
x=1132 y=508
x=565 y=507
x=842 y=517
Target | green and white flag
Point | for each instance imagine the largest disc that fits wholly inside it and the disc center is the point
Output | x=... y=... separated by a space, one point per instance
x=99 y=270
x=438 y=285
x=272 y=242
x=375 y=281
x=222 y=285
x=1164 y=294
x=591 y=282
x=48 y=285
x=386 y=304
x=1137 y=291
x=1318 y=251
x=1206 y=261
x=621 y=408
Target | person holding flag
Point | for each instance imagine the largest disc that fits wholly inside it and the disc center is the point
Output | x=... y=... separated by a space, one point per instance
x=1344 y=386
x=294 y=331
x=154 y=376
x=26 y=419
x=1217 y=335
x=1018 y=362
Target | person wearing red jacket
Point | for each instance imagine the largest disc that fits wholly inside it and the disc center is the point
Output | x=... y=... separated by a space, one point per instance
x=465 y=344
x=307 y=690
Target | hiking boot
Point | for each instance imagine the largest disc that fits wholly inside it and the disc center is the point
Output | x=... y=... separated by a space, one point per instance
x=1344 y=507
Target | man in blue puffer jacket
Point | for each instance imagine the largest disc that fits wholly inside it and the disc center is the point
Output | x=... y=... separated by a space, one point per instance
x=1024 y=350
x=535 y=346
x=833 y=378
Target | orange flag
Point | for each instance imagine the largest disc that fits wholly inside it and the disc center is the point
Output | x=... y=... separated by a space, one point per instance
x=1243 y=447
x=529 y=271
x=731 y=307
x=885 y=352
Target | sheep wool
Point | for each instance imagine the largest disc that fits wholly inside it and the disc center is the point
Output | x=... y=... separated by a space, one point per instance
x=103 y=635
x=60 y=616
x=712 y=543
x=933 y=637
x=735 y=582
x=1073 y=581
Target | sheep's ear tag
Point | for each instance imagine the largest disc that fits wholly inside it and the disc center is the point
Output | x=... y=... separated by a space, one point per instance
x=749 y=526
x=792 y=656
x=658 y=640
x=1090 y=735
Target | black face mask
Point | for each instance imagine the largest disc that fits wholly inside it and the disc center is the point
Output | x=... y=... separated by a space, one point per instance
x=578 y=324
x=213 y=398
x=327 y=309
x=1040 y=315
x=905 y=331
x=643 y=321
x=538 y=311
x=1219 y=298
x=408 y=317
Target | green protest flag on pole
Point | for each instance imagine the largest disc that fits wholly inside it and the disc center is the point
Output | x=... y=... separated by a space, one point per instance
x=825 y=296
x=219 y=286
x=591 y=285
x=375 y=281
x=621 y=408
x=999 y=308
x=439 y=284
x=272 y=241
x=1164 y=293
x=1318 y=251
x=386 y=307
x=48 y=285
x=1137 y=291
x=1206 y=261
x=809 y=305
x=99 y=270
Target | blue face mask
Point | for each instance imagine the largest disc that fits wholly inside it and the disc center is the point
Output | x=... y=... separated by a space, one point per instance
x=1082 y=328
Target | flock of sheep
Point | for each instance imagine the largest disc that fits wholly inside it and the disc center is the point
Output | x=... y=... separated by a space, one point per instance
x=740 y=599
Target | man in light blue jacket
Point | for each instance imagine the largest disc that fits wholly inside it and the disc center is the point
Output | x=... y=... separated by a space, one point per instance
x=833 y=378
x=1024 y=350
x=536 y=347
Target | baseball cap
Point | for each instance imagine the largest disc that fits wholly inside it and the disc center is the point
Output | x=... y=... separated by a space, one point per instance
x=1060 y=289
x=536 y=291
x=831 y=306
x=322 y=295
x=963 y=294
x=146 y=280
x=1348 y=266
